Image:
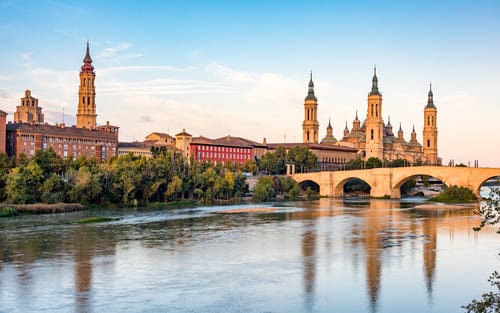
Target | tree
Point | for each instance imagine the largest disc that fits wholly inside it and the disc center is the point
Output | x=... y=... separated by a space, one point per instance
x=84 y=185
x=302 y=158
x=355 y=164
x=23 y=183
x=397 y=163
x=264 y=189
x=489 y=302
x=174 y=188
x=373 y=163
x=52 y=189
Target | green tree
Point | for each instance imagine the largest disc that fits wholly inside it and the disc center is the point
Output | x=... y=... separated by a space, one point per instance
x=264 y=189
x=84 y=185
x=174 y=188
x=303 y=159
x=490 y=301
x=355 y=164
x=373 y=163
x=52 y=189
x=23 y=183
x=398 y=163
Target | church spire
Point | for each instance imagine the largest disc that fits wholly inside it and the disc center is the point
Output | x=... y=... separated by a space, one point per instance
x=310 y=93
x=87 y=61
x=375 y=83
x=430 y=98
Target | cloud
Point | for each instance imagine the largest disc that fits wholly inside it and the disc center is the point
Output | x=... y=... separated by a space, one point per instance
x=26 y=56
x=162 y=87
x=115 y=53
x=145 y=118
x=4 y=78
x=230 y=74
x=138 y=68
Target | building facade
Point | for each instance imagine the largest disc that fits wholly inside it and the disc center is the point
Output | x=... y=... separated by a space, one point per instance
x=28 y=111
x=86 y=113
x=220 y=151
x=29 y=134
x=374 y=138
x=310 y=126
x=24 y=138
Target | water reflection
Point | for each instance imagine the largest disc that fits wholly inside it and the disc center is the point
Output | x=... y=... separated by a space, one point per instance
x=373 y=236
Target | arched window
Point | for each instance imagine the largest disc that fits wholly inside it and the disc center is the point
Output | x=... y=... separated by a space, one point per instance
x=372 y=109
x=428 y=121
x=371 y=132
x=428 y=143
x=83 y=100
x=88 y=100
x=432 y=118
x=376 y=110
x=84 y=82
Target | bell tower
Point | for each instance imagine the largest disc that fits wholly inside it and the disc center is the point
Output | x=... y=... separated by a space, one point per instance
x=86 y=114
x=430 y=130
x=310 y=126
x=374 y=122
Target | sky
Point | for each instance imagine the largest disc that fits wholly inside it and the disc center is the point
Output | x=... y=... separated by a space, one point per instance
x=242 y=68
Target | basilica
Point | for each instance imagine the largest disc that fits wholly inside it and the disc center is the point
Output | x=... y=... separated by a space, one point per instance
x=373 y=137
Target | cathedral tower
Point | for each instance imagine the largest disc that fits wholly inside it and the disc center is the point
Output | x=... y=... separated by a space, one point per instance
x=86 y=115
x=28 y=111
x=430 y=130
x=310 y=126
x=374 y=122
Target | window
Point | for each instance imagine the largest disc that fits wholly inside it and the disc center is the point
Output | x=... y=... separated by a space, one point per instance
x=371 y=133
x=428 y=143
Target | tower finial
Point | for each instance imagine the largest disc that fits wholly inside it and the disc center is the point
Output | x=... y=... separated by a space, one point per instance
x=310 y=93
x=430 y=97
x=374 y=90
x=87 y=61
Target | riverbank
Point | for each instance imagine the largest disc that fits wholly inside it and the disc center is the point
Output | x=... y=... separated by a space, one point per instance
x=445 y=206
x=42 y=208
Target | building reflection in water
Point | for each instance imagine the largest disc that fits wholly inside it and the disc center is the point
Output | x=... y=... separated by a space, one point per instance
x=380 y=230
x=309 y=262
x=83 y=271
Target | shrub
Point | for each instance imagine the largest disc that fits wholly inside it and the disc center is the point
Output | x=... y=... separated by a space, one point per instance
x=455 y=194
x=8 y=212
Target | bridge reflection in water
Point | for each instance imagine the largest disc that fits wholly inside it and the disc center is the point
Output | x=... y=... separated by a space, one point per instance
x=372 y=238
x=386 y=182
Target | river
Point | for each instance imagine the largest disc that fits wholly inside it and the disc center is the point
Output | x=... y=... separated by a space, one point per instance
x=329 y=255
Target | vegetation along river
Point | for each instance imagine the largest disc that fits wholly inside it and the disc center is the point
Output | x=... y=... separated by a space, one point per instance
x=341 y=255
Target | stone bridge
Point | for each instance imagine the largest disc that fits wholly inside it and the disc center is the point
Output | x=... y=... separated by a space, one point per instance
x=387 y=181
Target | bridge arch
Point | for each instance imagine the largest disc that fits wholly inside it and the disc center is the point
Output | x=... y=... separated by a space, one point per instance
x=396 y=189
x=338 y=189
x=309 y=183
x=477 y=189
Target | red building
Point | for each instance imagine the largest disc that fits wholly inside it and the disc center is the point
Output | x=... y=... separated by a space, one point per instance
x=66 y=141
x=221 y=150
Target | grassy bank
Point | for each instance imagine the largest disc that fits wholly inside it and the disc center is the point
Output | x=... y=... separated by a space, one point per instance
x=40 y=208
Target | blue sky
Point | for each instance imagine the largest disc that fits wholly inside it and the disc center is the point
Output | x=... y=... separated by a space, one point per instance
x=223 y=67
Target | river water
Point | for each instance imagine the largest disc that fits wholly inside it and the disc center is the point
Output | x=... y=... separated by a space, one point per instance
x=330 y=255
